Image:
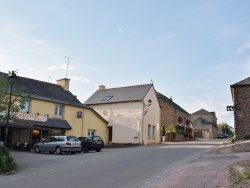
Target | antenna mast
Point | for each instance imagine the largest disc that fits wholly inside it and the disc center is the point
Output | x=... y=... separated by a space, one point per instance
x=67 y=64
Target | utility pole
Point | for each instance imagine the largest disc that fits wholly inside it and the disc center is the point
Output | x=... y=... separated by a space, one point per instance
x=68 y=58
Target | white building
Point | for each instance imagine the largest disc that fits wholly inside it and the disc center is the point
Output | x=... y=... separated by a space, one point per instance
x=133 y=113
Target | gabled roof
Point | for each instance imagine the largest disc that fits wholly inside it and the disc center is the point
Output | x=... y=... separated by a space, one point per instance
x=203 y=112
x=170 y=101
x=245 y=82
x=202 y=127
x=120 y=94
x=44 y=91
x=203 y=122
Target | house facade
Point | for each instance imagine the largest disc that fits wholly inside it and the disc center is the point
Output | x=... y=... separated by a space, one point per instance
x=132 y=113
x=241 y=101
x=205 y=124
x=51 y=110
x=172 y=114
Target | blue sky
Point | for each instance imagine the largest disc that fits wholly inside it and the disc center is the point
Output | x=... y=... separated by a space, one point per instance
x=192 y=50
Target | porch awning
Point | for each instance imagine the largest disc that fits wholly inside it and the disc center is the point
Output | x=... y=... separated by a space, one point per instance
x=50 y=123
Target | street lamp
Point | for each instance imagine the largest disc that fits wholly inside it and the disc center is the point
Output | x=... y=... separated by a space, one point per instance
x=11 y=79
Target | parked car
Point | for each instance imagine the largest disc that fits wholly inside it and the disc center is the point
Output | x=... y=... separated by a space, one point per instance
x=91 y=143
x=225 y=135
x=59 y=144
x=220 y=136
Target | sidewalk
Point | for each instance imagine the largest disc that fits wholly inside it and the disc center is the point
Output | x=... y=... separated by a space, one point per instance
x=207 y=171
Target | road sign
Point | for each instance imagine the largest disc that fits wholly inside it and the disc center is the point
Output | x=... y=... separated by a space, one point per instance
x=230 y=108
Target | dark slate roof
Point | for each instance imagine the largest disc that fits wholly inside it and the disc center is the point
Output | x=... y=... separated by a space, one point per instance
x=202 y=112
x=44 y=91
x=50 y=123
x=203 y=122
x=170 y=101
x=121 y=94
x=245 y=82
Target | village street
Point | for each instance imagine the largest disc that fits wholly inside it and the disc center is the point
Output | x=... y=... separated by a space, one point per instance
x=141 y=166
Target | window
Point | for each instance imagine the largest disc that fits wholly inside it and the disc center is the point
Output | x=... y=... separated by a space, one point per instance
x=107 y=98
x=153 y=132
x=149 y=130
x=91 y=132
x=25 y=107
x=59 y=108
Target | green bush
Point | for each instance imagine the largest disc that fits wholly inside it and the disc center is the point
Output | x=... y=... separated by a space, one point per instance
x=246 y=137
x=7 y=164
x=178 y=129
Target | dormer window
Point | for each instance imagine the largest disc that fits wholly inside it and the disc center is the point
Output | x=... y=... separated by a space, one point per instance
x=107 y=98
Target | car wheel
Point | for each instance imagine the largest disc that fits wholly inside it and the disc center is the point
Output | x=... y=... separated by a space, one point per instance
x=85 y=150
x=37 y=149
x=79 y=152
x=58 y=150
x=98 y=150
x=73 y=152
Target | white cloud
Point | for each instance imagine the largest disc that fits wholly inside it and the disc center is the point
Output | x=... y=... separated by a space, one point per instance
x=79 y=78
x=52 y=68
x=41 y=42
x=120 y=30
x=244 y=47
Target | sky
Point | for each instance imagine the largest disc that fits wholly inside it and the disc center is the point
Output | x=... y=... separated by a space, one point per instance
x=191 y=50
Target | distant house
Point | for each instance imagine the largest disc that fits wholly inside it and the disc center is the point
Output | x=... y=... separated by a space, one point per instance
x=51 y=110
x=241 y=100
x=132 y=112
x=172 y=114
x=205 y=124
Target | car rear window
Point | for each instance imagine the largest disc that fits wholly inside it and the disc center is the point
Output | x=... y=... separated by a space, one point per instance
x=97 y=139
x=72 y=138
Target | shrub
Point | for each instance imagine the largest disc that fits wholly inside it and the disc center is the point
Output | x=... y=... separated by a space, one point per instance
x=7 y=164
x=246 y=137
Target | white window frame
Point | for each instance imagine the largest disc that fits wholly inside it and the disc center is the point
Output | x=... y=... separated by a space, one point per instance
x=91 y=132
x=59 y=110
x=149 y=130
x=153 y=131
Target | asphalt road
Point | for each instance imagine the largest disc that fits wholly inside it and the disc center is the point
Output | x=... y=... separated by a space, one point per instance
x=135 y=167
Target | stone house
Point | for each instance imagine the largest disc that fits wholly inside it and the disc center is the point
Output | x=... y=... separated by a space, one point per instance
x=241 y=101
x=205 y=124
x=51 y=110
x=132 y=113
x=172 y=114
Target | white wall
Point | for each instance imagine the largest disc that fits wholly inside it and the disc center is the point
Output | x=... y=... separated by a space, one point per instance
x=129 y=118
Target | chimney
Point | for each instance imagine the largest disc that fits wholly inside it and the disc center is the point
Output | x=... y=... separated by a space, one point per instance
x=101 y=87
x=171 y=98
x=64 y=83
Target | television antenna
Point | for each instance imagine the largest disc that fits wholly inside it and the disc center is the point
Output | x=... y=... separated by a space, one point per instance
x=68 y=58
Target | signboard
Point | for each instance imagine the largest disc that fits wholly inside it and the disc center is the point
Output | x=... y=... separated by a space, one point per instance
x=230 y=108
x=79 y=114
x=33 y=117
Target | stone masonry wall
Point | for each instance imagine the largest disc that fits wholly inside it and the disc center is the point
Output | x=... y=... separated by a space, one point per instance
x=242 y=111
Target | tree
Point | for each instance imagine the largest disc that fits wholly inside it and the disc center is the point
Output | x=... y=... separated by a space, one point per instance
x=226 y=129
x=18 y=99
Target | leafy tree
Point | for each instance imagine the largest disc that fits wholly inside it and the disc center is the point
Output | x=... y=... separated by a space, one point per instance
x=18 y=100
x=226 y=129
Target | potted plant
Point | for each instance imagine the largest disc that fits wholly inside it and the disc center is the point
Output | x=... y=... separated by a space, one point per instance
x=163 y=133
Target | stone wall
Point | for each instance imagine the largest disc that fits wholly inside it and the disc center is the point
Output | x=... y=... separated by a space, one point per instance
x=168 y=114
x=242 y=111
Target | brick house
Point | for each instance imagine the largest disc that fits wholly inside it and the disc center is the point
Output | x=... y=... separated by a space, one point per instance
x=172 y=114
x=241 y=100
x=205 y=124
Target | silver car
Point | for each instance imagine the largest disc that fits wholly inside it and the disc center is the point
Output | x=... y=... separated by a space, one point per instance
x=59 y=144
